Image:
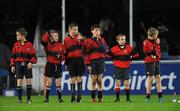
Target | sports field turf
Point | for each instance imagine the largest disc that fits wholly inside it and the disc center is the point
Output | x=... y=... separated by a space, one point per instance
x=138 y=104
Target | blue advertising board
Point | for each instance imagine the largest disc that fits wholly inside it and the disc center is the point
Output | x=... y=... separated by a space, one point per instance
x=170 y=78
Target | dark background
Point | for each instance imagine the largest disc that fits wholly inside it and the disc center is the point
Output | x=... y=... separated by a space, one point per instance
x=25 y=13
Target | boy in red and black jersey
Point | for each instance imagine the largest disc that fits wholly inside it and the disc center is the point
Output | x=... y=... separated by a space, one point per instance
x=97 y=48
x=75 y=63
x=152 y=52
x=55 y=54
x=122 y=54
x=23 y=56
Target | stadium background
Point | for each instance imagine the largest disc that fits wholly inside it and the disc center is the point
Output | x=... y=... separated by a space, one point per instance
x=38 y=16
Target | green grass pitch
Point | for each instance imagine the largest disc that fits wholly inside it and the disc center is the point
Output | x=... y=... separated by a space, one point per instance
x=138 y=104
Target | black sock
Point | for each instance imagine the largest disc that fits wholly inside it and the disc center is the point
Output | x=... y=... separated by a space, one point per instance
x=127 y=93
x=160 y=94
x=28 y=91
x=19 y=90
x=79 y=89
x=99 y=94
x=73 y=90
x=48 y=88
x=58 y=89
x=148 y=95
x=117 y=95
x=93 y=94
x=117 y=90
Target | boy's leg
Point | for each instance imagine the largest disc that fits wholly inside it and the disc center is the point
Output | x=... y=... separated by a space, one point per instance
x=117 y=90
x=159 y=87
x=148 y=87
x=127 y=90
x=28 y=90
x=150 y=71
x=100 y=71
x=58 y=89
x=79 y=88
x=158 y=81
x=93 y=89
x=19 y=89
x=73 y=89
x=48 y=88
x=100 y=95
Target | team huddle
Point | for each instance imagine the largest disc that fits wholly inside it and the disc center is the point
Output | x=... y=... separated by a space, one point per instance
x=80 y=54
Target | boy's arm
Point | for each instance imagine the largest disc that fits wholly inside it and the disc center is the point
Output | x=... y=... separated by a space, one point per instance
x=45 y=39
x=63 y=53
x=134 y=54
x=33 y=54
x=148 y=49
x=106 y=46
x=12 y=59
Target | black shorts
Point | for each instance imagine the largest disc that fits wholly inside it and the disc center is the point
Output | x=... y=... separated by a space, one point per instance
x=76 y=67
x=122 y=73
x=157 y=68
x=152 y=69
x=21 y=70
x=98 y=66
x=53 y=70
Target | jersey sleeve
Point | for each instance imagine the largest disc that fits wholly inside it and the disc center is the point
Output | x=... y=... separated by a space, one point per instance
x=12 y=59
x=32 y=54
x=45 y=39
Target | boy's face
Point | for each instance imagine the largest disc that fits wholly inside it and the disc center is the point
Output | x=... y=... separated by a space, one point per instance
x=121 y=40
x=55 y=37
x=155 y=36
x=96 y=32
x=19 y=36
x=73 y=31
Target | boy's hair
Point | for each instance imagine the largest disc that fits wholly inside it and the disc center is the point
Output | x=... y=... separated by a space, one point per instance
x=22 y=31
x=53 y=31
x=119 y=35
x=152 y=31
x=73 y=24
x=95 y=26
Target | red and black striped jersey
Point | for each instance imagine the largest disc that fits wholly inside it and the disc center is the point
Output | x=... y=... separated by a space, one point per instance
x=96 y=48
x=149 y=49
x=158 y=52
x=122 y=55
x=86 y=58
x=73 y=47
x=55 y=51
x=23 y=53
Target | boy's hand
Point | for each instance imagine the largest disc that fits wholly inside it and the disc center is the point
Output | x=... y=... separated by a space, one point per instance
x=157 y=41
x=66 y=68
x=153 y=56
x=89 y=68
x=29 y=65
x=13 y=69
x=80 y=37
